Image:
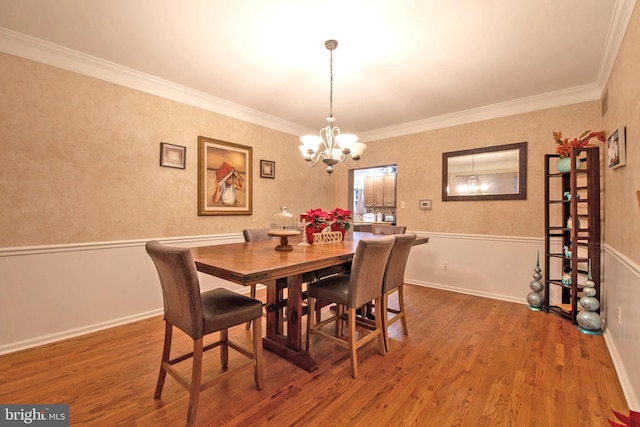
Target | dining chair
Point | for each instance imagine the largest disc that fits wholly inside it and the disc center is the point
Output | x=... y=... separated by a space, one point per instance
x=388 y=229
x=366 y=312
x=351 y=291
x=393 y=281
x=198 y=314
x=255 y=235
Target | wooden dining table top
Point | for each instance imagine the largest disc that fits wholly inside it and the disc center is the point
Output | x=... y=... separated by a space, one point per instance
x=249 y=263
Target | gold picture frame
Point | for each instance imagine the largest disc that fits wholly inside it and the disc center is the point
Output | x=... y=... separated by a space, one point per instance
x=225 y=184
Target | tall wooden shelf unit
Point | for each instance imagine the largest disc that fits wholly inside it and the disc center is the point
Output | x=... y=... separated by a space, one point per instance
x=581 y=238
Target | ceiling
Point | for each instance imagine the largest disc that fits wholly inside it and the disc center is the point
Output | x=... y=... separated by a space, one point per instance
x=401 y=65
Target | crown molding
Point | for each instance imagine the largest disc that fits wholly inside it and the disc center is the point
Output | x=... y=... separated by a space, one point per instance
x=34 y=49
x=544 y=101
x=622 y=11
x=42 y=51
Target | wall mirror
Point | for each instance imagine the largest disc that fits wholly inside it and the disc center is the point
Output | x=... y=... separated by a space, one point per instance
x=487 y=173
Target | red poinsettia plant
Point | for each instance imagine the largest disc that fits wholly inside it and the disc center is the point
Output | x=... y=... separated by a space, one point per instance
x=633 y=420
x=342 y=218
x=316 y=218
x=564 y=146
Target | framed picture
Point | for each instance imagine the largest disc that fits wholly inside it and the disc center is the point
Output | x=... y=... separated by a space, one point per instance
x=224 y=178
x=616 y=150
x=267 y=169
x=604 y=102
x=173 y=156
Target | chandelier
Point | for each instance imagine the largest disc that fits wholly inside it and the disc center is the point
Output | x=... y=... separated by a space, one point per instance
x=336 y=147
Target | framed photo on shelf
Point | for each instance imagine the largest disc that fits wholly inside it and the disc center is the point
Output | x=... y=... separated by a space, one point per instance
x=616 y=149
x=173 y=156
x=267 y=169
x=224 y=178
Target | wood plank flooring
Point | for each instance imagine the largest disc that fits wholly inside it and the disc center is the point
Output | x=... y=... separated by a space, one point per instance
x=467 y=361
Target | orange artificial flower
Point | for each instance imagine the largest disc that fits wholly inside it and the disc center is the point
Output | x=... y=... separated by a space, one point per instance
x=564 y=146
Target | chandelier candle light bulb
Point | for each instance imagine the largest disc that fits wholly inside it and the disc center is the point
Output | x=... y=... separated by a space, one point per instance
x=336 y=147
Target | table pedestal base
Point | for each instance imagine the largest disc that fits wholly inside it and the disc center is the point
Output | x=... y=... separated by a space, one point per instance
x=301 y=359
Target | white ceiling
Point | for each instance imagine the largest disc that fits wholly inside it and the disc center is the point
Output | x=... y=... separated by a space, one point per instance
x=400 y=64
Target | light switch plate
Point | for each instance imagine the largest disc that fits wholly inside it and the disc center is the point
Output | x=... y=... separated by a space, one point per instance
x=425 y=204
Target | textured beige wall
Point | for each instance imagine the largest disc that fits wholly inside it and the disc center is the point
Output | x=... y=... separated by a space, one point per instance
x=622 y=208
x=80 y=162
x=419 y=160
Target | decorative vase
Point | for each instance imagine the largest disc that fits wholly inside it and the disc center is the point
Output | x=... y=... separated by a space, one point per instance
x=589 y=320
x=536 y=297
x=564 y=164
x=566 y=277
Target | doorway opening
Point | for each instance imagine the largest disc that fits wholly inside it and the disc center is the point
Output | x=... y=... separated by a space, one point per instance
x=372 y=194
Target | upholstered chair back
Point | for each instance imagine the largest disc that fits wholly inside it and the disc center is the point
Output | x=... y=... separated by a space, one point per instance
x=388 y=229
x=367 y=269
x=180 y=287
x=397 y=263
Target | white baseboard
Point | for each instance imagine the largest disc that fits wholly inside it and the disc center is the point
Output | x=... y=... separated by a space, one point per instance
x=72 y=333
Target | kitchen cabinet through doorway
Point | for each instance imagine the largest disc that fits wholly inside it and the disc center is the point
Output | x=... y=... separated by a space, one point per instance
x=380 y=190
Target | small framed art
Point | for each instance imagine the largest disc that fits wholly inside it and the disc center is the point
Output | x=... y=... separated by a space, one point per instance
x=173 y=156
x=616 y=149
x=267 y=169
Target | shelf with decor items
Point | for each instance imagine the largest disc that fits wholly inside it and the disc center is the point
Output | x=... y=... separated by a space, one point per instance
x=572 y=232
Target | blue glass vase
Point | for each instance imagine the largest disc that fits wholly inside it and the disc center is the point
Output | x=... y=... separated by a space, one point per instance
x=564 y=164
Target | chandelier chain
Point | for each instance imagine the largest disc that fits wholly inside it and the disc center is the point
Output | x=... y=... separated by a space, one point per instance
x=331 y=83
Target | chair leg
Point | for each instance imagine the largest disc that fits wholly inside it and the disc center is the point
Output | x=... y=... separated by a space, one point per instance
x=252 y=293
x=378 y=316
x=403 y=315
x=166 y=351
x=340 y=311
x=196 y=375
x=257 y=353
x=311 y=305
x=385 y=320
x=352 y=342
x=224 y=348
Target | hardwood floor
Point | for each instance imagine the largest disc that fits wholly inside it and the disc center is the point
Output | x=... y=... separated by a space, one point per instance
x=467 y=361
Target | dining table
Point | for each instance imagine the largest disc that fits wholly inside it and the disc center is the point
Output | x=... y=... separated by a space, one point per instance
x=283 y=273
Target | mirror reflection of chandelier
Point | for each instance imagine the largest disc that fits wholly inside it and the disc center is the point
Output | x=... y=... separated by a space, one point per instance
x=471 y=184
x=336 y=147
